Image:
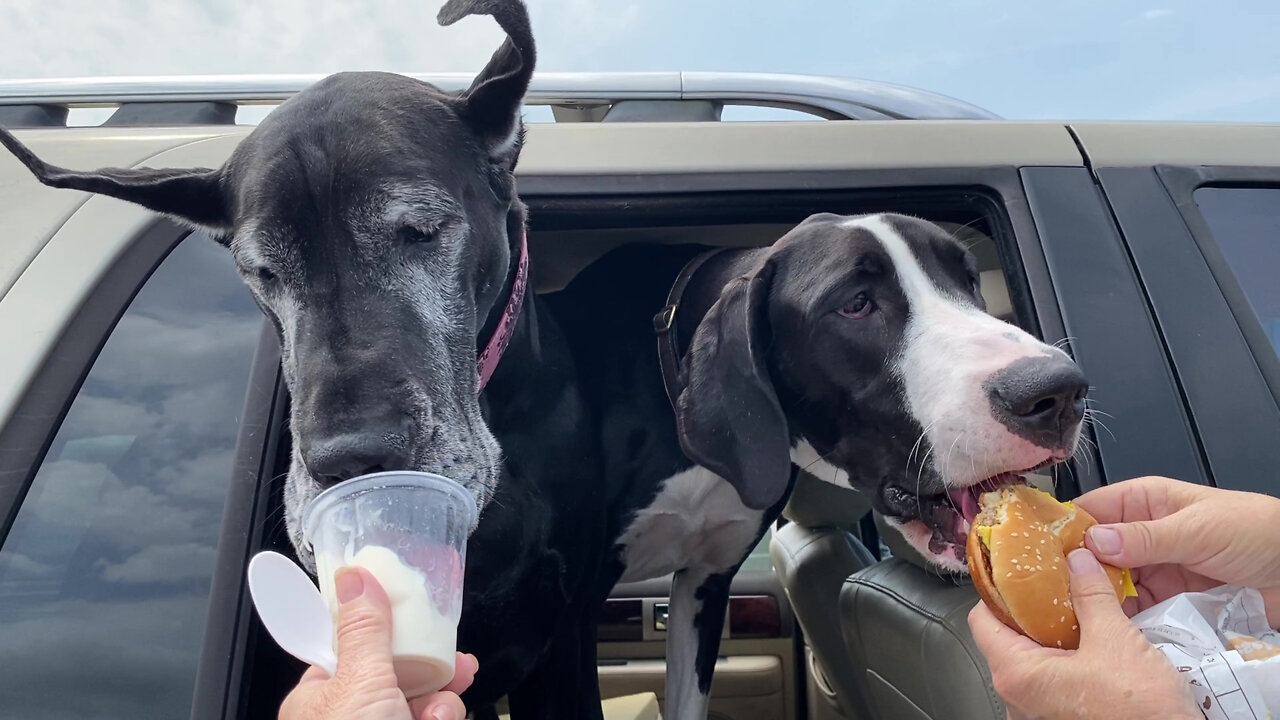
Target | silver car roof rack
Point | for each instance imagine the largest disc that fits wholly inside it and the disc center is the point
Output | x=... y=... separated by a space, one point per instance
x=573 y=97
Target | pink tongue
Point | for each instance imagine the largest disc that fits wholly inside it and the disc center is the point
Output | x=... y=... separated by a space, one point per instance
x=967 y=502
x=969 y=508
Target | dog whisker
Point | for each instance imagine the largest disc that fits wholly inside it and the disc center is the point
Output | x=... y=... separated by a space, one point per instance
x=1091 y=418
x=916 y=447
x=968 y=450
x=945 y=473
x=920 y=479
x=1091 y=410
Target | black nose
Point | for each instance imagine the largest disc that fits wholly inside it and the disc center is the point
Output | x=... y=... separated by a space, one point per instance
x=1040 y=399
x=342 y=457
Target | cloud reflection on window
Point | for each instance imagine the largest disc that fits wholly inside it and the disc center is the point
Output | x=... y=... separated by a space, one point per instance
x=104 y=578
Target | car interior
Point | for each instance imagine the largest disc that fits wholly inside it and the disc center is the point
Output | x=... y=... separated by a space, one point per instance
x=833 y=615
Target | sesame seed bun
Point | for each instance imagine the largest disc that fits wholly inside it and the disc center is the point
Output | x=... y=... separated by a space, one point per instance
x=1251 y=648
x=1017 y=552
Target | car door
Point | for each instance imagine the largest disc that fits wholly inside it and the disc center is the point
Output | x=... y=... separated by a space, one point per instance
x=126 y=481
x=117 y=462
x=1199 y=208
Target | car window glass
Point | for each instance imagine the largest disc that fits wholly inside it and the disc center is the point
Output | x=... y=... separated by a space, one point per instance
x=105 y=575
x=1246 y=225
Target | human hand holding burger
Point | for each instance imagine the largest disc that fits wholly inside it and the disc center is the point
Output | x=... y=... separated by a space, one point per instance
x=1180 y=537
x=1025 y=556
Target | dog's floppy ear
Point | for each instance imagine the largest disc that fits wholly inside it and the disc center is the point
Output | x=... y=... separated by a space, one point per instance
x=728 y=416
x=492 y=105
x=194 y=196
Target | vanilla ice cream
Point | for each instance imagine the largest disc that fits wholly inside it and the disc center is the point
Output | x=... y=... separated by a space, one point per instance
x=424 y=641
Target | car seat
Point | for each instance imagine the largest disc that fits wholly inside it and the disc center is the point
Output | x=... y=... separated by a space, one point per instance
x=886 y=639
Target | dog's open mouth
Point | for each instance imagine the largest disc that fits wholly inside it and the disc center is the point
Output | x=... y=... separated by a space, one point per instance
x=942 y=520
x=951 y=514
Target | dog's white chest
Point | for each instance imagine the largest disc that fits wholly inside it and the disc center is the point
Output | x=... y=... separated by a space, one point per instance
x=696 y=520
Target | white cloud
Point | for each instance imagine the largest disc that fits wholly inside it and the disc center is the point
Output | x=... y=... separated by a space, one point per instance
x=87 y=501
x=71 y=38
x=159 y=37
x=1156 y=13
x=16 y=567
x=162 y=564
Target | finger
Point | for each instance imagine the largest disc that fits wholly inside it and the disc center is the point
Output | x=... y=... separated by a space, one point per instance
x=1094 y=600
x=364 y=624
x=465 y=669
x=442 y=705
x=998 y=642
x=1107 y=503
x=1148 y=542
x=1144 y=498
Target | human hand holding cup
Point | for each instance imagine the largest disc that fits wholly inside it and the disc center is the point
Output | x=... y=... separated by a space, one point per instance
x=409 y=530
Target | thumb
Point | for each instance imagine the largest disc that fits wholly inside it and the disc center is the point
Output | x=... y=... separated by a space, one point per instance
x=1135 y=544
x=1093 y=598
x=995 y=640
x=364 y=624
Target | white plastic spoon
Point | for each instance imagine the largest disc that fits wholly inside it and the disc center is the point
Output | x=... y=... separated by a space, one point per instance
x=292 y=609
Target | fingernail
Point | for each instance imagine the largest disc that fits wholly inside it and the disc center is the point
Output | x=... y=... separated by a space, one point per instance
x=348 y=584
x=1082 y=562
x=1105 y=540
x=443 y=713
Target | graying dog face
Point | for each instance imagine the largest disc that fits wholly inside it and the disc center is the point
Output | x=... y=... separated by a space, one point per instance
x=373 y=218
x=379 y=267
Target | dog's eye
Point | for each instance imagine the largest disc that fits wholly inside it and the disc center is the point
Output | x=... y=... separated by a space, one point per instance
x=265 y=276
x=411 y=235
x=860 y=307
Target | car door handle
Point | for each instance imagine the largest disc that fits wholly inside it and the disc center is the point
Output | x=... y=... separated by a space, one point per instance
x=660 y=617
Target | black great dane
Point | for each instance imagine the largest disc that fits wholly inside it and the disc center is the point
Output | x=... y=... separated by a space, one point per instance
x=855 y=347
x=376 y=221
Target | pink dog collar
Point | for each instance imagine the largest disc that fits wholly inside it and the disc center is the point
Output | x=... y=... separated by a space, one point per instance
x=492 y=354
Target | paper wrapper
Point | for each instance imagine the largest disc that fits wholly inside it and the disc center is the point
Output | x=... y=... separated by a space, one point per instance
x=1220 y=641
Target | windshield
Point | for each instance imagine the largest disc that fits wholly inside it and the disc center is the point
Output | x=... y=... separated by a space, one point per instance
x=1091 y=59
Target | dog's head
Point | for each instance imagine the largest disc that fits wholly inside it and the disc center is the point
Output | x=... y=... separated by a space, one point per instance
x=860 y=347
x=376 y=222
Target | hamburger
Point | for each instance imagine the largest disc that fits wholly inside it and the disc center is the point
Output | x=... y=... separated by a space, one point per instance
x=1017 y=553
x=1251 y=648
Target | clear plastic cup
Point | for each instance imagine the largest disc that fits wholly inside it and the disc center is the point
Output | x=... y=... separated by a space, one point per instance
x=410 y=531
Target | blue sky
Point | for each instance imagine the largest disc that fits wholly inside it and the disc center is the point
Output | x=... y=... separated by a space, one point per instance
x=1088 y=59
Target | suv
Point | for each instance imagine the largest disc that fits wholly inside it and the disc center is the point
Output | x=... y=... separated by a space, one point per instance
x=142 y=447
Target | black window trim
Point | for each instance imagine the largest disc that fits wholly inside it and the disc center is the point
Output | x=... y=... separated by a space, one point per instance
x=1233 y=413
x=568 y=201
x=230 y=623
x=1091 y=265
x=1182 y=183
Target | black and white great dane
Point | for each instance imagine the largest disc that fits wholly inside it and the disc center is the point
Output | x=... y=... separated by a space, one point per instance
x=857 y=348
x=376 y=222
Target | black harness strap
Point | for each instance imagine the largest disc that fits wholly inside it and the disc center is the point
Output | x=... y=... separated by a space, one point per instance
x=664 y=325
